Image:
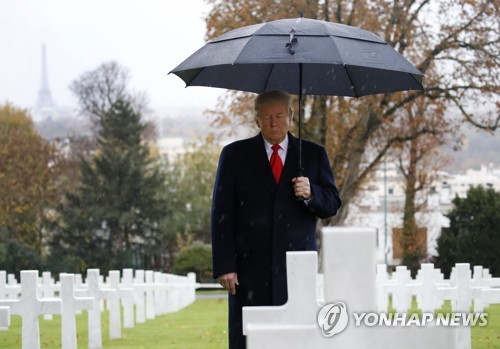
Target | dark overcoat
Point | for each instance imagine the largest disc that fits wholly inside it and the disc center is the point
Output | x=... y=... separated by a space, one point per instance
x=256 y=220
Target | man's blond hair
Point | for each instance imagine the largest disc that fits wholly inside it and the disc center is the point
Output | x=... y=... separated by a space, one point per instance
x=273 y=96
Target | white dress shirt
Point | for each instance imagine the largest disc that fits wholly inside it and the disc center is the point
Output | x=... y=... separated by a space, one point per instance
x=281 y=152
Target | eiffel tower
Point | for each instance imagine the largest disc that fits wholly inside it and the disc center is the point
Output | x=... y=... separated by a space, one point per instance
x=44 y=95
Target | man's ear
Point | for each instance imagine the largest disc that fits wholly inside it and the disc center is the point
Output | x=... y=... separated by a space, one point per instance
x=257 y=122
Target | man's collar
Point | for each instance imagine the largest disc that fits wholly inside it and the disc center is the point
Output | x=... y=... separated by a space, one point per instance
x=283 y=144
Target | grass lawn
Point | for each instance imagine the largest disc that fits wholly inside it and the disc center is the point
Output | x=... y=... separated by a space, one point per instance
x=202 y=325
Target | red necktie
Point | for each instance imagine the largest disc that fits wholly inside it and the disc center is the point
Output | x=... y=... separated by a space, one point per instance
x=276 y=163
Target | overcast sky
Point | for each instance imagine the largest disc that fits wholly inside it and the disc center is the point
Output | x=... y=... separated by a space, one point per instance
x=150 y=37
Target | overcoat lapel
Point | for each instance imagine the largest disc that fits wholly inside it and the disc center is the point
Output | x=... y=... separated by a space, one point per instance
x=261 y=166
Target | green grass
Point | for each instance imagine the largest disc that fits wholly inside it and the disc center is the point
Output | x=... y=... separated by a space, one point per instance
x=202 y=325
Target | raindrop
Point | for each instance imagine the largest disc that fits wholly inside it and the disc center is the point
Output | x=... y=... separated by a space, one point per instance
x=221 y=219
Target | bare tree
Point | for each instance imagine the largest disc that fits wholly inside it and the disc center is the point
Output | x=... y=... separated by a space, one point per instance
x=101 y=87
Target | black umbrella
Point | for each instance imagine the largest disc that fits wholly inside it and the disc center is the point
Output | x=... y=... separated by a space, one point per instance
x=300 y=56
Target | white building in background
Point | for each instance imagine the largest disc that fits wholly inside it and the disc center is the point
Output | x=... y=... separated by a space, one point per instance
x=171 y=147
x=174 y=147
x=368 y=209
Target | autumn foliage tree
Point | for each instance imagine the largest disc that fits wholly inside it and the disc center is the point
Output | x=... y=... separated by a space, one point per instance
x=418 y=159
x=29 y=189
x=453 y=43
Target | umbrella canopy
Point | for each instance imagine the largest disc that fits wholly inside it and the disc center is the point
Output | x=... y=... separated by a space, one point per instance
x=300 y=56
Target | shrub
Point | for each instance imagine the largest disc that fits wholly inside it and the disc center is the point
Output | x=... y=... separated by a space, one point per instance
x=474 y=234
x=195 y=258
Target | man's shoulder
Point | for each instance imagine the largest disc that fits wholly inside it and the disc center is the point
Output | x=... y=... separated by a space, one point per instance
x=241 y=144
x=311 y=146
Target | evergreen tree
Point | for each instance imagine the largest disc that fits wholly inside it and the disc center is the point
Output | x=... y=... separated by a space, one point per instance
x=118 y=206
x=473 y=236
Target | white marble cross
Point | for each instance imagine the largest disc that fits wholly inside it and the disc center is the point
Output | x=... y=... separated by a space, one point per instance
x=48 y=289
x=401 y=298
x=29 y=307
x=98 y=294
x=70 y=305
x=349 y=269
x=160 y=292
x=140 y=288
x=425 y=288
x=128 y=302
x=461 y=294
x=115 y=328
x=150 y=298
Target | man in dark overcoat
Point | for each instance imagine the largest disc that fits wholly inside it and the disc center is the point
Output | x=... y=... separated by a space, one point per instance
x=256 y=216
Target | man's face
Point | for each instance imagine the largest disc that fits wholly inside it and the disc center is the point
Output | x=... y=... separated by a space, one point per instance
x=273 y=119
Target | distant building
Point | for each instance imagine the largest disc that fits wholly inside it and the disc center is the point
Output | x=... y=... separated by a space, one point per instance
x=368 y=209
x=174 y=147
x=171 y=147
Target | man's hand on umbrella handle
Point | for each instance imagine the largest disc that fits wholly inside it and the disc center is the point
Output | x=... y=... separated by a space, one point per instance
x=229 y=282
x=302 y=187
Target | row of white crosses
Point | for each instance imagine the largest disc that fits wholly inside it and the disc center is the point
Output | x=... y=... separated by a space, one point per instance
x=431 y=289
x=147 y=295
x=350 y=276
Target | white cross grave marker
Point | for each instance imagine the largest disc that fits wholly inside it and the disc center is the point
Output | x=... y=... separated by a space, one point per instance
x=94 y=315
x=115 y=328
x=140 y=288
x=48 y=289
x=425 y=289
x=150 y=299
x=349 y=269
x=29 y=307
x=160 y=293
x=70 y=306
x=128 y=302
